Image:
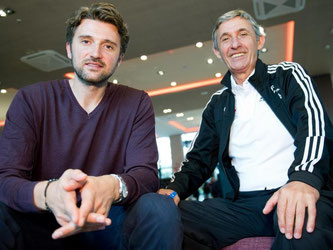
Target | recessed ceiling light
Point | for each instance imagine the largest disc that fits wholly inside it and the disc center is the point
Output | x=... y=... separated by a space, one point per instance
x=210 y=60
x=69 y=75
x=327 y=47
x=180 y=114
x=218 y=75
x=191 y=118
x=115 y=81
x=143 y=57
x=3 y=13
x=204 y=93
x=3 y=91
x=165 y=111
x=173 y=84
x=264 y=50
x=160 y=72
x=199 y=44
x=6 y=11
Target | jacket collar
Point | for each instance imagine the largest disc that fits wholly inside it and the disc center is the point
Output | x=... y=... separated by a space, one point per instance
x=258 y=79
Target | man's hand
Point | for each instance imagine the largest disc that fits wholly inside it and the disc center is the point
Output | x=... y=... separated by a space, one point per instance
x=61 y=196
x=292 y=201
x=97 y=195
x=167 y=192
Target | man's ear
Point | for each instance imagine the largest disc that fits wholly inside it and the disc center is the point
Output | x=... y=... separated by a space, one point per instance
x=261 y=42
x=217 y=53
x=69 y=50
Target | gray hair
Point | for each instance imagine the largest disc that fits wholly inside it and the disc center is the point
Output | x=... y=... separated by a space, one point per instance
x=259 y=31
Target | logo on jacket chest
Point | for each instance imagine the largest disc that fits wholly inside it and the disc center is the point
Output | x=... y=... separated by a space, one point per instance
x=276 y=91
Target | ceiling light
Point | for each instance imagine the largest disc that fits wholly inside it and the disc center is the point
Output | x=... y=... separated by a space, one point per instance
x=143 y=57
x=204 y=93
x=264 y=50
x=173 y=84
x=115 y=81
x=180 y=114
x=6 y=11
x=327 y=47
x=199 y=44
x=3 y=91
x=3 y=13
x=218 y=75
x=210 y=60
x=160 y=72
x=69 y=75
x=165 y=111
x=191 y=118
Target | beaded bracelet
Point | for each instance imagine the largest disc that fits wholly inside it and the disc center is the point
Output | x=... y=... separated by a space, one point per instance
x=45 y=190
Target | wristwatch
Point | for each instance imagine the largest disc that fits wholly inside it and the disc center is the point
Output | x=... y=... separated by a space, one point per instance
x=122 y=188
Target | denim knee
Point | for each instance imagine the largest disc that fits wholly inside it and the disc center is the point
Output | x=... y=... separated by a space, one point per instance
x=157 y=206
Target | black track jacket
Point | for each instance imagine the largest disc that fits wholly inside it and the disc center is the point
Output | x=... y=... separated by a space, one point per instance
x=293 y=97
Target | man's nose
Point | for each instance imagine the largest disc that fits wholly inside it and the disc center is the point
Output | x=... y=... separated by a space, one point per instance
x=235 y=42
x=96 y=51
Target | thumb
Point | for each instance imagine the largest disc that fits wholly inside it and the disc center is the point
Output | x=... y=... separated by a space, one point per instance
x=270 y=204
x=75 y=180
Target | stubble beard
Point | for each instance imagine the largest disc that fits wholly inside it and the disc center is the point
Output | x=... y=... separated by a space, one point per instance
x=99 y=81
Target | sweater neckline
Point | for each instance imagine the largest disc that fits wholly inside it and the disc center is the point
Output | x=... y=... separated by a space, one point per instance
x=100 y=105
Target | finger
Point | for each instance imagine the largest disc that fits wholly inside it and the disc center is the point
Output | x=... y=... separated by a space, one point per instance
x=74 y=179
x=281 y=213
x=70 y=207
x=312 y=212
x=290 y=212
x=66 y=230
x=163 y=191
x=176 y=200
x=87 y=206
x=79 y=176
x=299 y=221
x=270 y=204
x=98 y=219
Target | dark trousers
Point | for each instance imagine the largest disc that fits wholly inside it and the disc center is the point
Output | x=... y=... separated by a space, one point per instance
x=215 y=223
x=143 y=225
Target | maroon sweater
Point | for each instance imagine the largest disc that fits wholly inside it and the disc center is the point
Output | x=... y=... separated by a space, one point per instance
x=47 y=132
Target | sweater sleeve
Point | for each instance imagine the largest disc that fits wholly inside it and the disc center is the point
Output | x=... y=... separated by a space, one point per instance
x=201 y=160
x=311 y=161
x=140 y=173
x=17 y=145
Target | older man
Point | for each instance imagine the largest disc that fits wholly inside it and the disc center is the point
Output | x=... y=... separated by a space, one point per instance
x=270 y=134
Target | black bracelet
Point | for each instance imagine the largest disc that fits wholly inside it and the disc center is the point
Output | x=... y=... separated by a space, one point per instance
x=45 y=190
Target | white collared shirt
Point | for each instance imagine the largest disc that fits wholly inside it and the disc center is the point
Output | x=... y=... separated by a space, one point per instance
x=260 y=146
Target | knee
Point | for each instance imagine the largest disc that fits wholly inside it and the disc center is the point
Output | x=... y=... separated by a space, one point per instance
x=153 y=206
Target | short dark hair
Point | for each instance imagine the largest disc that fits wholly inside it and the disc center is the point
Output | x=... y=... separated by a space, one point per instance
x=104 y=12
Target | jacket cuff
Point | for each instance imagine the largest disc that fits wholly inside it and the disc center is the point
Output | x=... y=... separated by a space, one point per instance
x=308 y=178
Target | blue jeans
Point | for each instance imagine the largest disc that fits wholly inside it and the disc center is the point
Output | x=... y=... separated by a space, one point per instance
x=153 y=222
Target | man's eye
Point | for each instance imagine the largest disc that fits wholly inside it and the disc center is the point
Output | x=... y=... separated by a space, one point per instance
x=84 y=41
x=225 y=39
x=243 y=34
x=109 y=47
